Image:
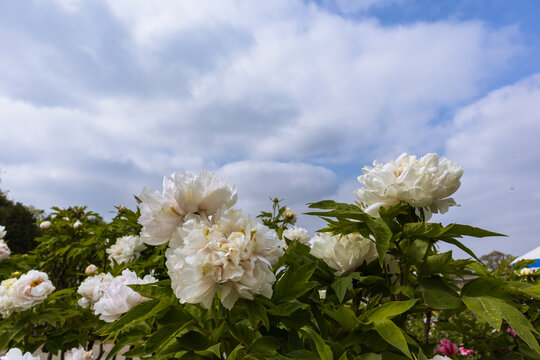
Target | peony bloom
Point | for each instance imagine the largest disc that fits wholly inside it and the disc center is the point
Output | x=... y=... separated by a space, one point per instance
x=78 y=354
x=6 y=303
x=127 y=249
x=77 y=224
x=230 y=250
x=183 y=194
x=93 y=288
x=29 y=290
x=466 y=352
x=297 y=234
x=527 y=271
x=17 y=354
x=446 y=347
x=90 y=269
x=118 y=298
x=440 y=357
x=426 y=184
x=4 y=250
x=343 y=253
x=3 y=232
x=45 y=225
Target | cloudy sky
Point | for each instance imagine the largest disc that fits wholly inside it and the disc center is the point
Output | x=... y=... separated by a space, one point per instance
x=285 y=98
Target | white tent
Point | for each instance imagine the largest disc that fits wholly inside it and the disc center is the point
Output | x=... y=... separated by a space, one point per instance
x=531 y=255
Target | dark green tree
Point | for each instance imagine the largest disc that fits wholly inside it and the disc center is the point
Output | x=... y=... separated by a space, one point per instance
x=20 y=222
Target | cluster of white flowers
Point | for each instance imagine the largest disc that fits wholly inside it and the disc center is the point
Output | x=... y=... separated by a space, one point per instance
x=424 y=184
x=343 y=253
x=4 y=248
x=17 y=354
x=109 y=296
x=210 y=245
x=79 y=354
x=297 y=234
x=21 y=294
x=527 y=271
x=127 y=249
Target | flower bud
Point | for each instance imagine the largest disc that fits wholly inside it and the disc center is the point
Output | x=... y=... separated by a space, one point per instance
x=45 y=225
x=77 y=224
x=121 y=208
x=90 y=269
x=290 y=216
x=15 y=274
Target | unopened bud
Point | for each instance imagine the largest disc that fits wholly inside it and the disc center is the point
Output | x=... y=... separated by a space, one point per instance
x=45 y=225
x=121 y=208
x=90 y=269
x=77 y=224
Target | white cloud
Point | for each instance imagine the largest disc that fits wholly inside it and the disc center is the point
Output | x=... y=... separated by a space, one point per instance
x=295 y=183
x=104 y=97
x=496 y=141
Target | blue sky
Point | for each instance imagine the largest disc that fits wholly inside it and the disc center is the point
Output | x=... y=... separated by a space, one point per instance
x=286 y=98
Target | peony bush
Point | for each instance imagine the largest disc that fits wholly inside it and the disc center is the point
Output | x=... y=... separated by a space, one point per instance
x=188 y=276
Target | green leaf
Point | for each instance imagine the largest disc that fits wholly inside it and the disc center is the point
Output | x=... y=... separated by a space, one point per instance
x=267 y=345
x=343 y=283
x=466 y=230
x=294 y=283
x=382 y=234
x=238 y=353
x=323 y=349
x=370 y=356
x=152 y=291
x=461 y=246
x=390 y=310
x=485 y=286
x=344 y=316
x=519 y=323
x=417 y=250
x=163 y=335
x=438 y=295
x=139 y=312
x=256 y=312
x=286 y=309
x=437 y=263
x=423 y=229
x=485 y=308
x=392 y=334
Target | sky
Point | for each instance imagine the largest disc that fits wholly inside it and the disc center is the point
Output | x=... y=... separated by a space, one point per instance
x=284 y=98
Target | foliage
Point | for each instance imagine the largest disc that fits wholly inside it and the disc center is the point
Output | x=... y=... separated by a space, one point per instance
x=19 y=221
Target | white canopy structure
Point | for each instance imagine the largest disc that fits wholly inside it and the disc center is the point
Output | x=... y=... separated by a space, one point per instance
x=531 y=255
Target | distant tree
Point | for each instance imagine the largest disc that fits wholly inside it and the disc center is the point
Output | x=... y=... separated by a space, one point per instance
x=20 y=222
x=495 y=258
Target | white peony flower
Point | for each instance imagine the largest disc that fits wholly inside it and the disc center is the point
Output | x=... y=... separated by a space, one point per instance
x=29 y=290
x=527 y=271
x=4 y=250
x=77 y=224
x=78 y=354
x=297 y=234
x=230 y=250
x=118 y=298
x=3 y=232
x=17 y=354
x=183 y=193
x=127 y=249
x=343 y=253
x=45 y=225
x=90 y=269
x=6 y=303
x=93 y=288
x=440 y=357
x=426 y=183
